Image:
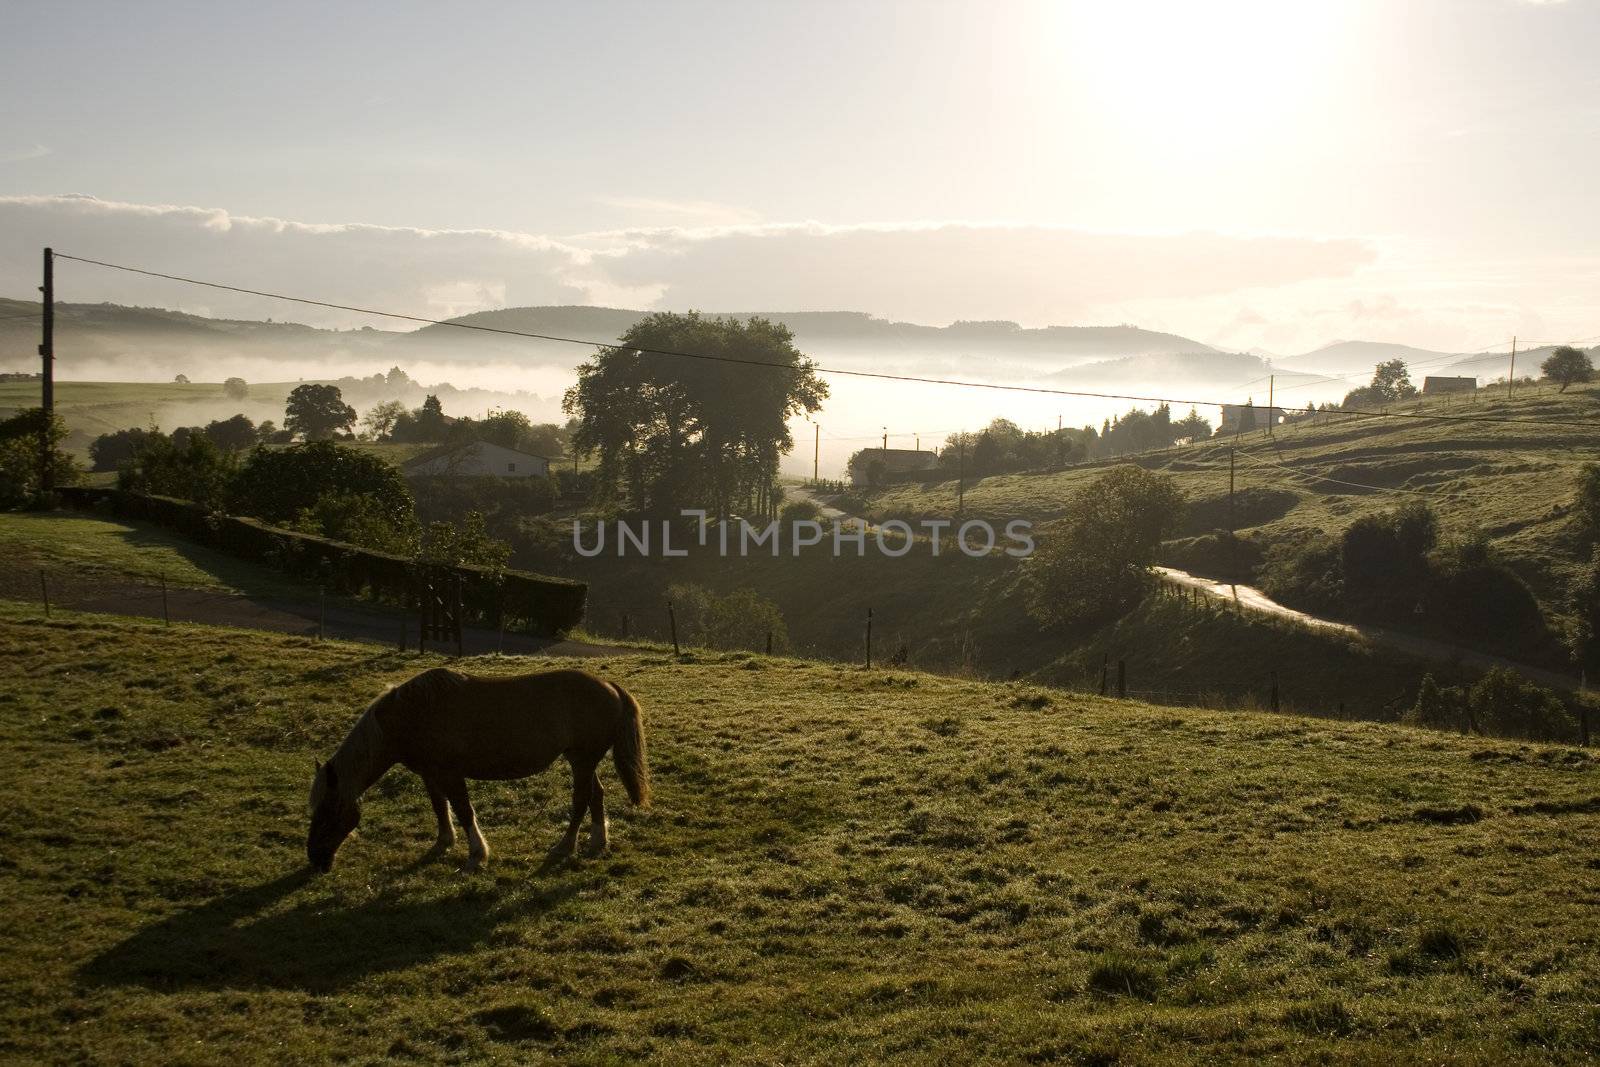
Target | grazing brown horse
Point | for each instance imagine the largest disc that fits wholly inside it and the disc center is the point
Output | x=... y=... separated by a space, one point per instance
x=448 y=727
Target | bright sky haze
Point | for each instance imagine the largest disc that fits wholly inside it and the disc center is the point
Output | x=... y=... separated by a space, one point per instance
x=1250 y=174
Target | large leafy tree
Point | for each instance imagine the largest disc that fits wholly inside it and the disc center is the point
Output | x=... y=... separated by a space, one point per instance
x=1567 y=365
x=317 y=410
x=1391 y=381
x=24 y=437
x=673 y=431
x=1095 y=561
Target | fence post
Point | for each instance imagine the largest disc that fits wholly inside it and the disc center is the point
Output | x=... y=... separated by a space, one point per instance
x=1105 y=668
x=44 y=591
x=869 y=639
x=627 y=630
x=166 y=614
x=1274 y=690
x=672 y=622
x=1122 y=678
x=402 y=624
x=500 y=620
x=769 y=649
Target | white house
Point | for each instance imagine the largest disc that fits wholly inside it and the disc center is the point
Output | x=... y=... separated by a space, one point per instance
x=477 y=459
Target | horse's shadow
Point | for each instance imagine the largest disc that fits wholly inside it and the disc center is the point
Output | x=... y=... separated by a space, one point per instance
x=313 y=946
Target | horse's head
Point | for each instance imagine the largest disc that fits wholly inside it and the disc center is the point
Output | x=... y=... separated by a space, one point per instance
x=333 y=816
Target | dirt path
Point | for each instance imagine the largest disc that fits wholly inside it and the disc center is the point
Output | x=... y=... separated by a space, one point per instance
x=340 y=619
x=1426 y=647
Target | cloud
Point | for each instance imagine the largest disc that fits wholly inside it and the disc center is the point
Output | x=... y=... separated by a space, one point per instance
x=925 y=272
x=937 y=272
x=20 y=155
x=700 y=212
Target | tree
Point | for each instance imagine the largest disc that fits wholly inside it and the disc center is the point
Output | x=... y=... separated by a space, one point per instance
x=1391 y=381
x=1192 y=426
x=469 y=543
x=236 y=388
x=277 y=484
x=23 y=437
x=317 y=411
x=430 y=418
x=232 y=435
x=1095 y=562
x=191 y=468
x=180 y=379
x=111 y=450
x=674 y=432
x=1567 y=365
x=380 y=419
x=508 y=428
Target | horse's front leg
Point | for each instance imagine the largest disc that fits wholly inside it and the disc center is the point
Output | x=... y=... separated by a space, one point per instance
x=582 y=776
x=477 y=848
x=441 y=814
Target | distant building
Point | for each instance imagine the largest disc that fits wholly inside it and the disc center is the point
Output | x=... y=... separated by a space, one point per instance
x=870 y=464
x=1245 y=417
x=477 y=459
x=1435 y=384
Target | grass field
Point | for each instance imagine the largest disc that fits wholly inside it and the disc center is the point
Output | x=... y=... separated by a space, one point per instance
x=1514 y=483
x=86 y=548
x=840 y=865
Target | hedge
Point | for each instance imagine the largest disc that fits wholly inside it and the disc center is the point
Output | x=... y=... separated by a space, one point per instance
x=532 y=602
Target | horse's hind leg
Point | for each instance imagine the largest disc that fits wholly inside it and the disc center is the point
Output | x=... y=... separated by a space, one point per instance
x=598 y=828
x=582 y=776
x=477 y=848
x=441 y=814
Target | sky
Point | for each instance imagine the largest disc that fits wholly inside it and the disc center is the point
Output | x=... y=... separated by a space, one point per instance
x=1250 y=173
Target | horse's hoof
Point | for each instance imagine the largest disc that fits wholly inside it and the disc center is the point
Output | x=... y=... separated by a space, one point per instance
x=477 y=860
x=598 y=847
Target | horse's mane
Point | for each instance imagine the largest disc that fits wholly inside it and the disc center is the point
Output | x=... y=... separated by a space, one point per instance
x=358 y=757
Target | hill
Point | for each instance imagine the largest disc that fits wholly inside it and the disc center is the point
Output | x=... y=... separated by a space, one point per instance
x=1514 y=483
x=840 y=864
x=1358 y=357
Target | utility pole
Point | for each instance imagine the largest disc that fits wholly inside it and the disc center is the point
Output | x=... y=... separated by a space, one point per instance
x=1231 y=527
x=1511 y=378
x=961 y=472
x=816 y=450
x=47 y=359
x=886 y=438
x=1272 y=416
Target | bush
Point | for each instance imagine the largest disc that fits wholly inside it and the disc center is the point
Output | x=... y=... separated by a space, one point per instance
x=1096 y=561
x=278 y=484
x=798 y=511
x=22 y=438
x=1472 y=595
x=1504 y=703
x=110 y=451
x=193 y=469
x=743 y=619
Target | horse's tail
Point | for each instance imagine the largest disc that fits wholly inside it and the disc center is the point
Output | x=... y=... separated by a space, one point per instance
x=628 y=749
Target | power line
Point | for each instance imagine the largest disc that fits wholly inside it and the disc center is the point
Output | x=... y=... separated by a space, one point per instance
x=879 y=375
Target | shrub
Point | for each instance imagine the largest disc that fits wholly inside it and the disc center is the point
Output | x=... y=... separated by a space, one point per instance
x=742 y=619
x=277 y=484
x=1096 y=561
x=193 y=469
x=799 y=511
x=1502 y=702
x=1437 y=706
x=110 y=451
x=22 y=438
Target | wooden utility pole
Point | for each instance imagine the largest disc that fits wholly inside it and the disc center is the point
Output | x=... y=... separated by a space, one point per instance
x=1511 y=378
x=886 y=438
x=1231 y=527
x=816 y=451
x=1272 y=416
x=47 y=381
x=961 y=472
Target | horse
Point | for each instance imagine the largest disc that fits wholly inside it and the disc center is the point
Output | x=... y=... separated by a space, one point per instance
x=448 y=727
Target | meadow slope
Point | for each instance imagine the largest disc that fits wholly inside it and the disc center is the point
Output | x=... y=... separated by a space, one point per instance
x=1514 y=483
x=840 y=864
